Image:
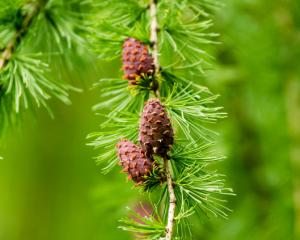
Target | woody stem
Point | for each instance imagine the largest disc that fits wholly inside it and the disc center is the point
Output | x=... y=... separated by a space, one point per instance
x=172 y=198
x=154 y=42
x=172 y=202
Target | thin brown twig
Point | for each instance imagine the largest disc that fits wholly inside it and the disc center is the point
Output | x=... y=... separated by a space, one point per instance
x=172 y=202
x=154 y=42
x=33 y=9
x=155 y=52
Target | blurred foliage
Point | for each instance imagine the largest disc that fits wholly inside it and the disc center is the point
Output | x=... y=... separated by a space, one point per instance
x=256 y=65
x=51 y=189
x=35 y=34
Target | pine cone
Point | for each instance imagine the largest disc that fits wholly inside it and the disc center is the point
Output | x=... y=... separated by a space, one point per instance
x=134 y=161
x=137 y=62
x=156 y=134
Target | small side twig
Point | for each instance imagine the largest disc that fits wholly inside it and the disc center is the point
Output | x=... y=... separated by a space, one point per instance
x=21 y=31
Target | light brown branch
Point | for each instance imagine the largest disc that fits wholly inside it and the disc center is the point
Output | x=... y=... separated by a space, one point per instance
x=154 y=42
x=154 y=37
x=172 y=202
x=155 y=52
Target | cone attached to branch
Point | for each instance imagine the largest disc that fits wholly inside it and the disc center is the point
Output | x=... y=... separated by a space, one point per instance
x=156 y=133
x=137 y=61
x=134 y=161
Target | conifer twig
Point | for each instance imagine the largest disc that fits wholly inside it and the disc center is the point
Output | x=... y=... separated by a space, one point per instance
x=172 y=197
x=179 y=104
x=21 y=32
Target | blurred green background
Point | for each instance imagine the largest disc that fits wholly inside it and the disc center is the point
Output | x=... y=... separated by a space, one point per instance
x=51 y=188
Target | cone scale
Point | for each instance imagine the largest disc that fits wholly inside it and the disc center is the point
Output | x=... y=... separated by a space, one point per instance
x=134 y=161
x=156 y=134
x=137 y=61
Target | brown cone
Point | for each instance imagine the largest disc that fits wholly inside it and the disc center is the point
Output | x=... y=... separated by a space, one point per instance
x=137 y=62
x=156 y=134
x=134 y=161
